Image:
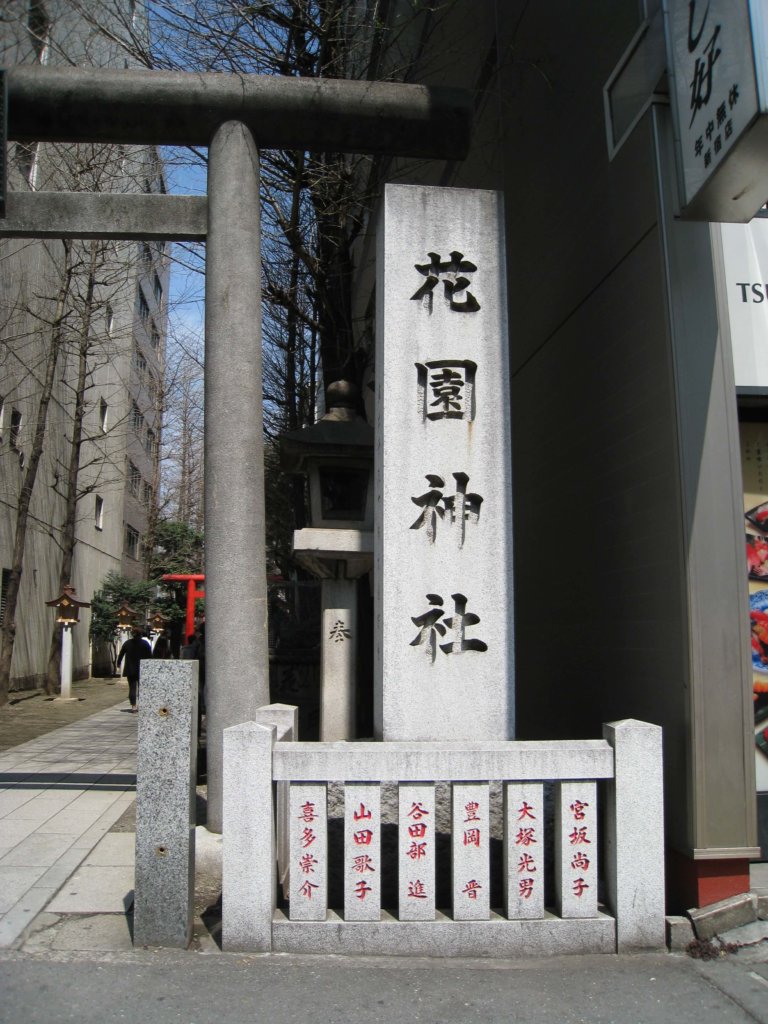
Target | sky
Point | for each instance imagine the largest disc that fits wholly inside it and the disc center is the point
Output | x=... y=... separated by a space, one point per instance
x=187 y=285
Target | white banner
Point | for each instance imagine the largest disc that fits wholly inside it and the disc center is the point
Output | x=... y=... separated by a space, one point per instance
x=745 y=253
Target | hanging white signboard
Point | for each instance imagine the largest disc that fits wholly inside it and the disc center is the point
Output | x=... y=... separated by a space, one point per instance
x=745 y=258
x=717 y=64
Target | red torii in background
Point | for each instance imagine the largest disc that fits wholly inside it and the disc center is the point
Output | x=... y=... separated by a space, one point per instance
x=191 y=579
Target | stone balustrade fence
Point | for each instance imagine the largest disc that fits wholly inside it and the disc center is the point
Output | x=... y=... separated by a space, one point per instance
x=587 y=813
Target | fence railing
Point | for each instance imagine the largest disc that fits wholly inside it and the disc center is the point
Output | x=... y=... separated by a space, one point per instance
x=465 y=849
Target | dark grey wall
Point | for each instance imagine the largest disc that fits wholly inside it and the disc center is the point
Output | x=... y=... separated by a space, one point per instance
x=629 y=574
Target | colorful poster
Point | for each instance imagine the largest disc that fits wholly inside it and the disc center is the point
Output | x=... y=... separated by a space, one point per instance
x=754 y=454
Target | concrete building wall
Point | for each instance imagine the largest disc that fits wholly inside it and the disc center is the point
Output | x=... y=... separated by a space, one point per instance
x=31 y=274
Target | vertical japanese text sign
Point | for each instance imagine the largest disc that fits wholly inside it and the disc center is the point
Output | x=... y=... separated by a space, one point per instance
x=716 y=52
x=443 y=531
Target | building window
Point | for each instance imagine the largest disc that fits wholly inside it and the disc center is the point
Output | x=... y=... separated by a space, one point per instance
x=146 y=255
x=98 y=513
x=6 y=581
x=14 y=438
x=140 y=363
x=15 y=432
x=131 y=542
x=143 y=308
x=103 y=416
x=134 y=479
x=149 y=495
x=39 y=26
x=154 y=337
x=150 y=442
x=137 y=420
x=158 y=290
x=26 y=160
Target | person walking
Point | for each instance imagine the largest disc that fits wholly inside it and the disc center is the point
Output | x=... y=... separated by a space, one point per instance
x=162 y=648
x=134 y=651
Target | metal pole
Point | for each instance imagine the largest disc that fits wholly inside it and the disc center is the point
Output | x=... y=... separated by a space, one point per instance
x=237 y=673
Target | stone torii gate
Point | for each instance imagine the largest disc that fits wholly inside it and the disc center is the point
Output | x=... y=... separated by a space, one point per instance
x=232 y=115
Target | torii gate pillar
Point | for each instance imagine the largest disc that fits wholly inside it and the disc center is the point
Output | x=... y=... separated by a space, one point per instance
x=234 y=515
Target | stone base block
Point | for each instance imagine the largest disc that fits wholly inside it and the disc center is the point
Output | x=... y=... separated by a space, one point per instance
x=497 y=937
x=762 y=906
x=679 y=932
x=721 y=917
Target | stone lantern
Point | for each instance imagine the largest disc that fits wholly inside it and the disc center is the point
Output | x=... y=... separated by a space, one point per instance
x=126 y=616
x=68 y=615
x=336 y=455
x=67 y=606
x=159 y=622
x=126 y=620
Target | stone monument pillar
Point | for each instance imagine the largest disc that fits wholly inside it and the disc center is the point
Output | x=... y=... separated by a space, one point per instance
x=443 y=533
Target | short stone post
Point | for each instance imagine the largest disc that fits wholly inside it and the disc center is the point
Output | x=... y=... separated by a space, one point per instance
x=339 y=660
x=470 y=849
x=285 y=717
x=634 y=835
x=165 y=804
x=248 y=868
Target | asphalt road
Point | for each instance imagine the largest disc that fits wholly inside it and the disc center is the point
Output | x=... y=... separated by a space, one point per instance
x=162 y=987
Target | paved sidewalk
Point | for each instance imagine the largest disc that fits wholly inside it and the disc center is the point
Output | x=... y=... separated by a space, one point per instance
x=60 y=793
x=31 y=713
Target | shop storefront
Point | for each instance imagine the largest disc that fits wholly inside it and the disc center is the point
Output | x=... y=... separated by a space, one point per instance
x=745 y=265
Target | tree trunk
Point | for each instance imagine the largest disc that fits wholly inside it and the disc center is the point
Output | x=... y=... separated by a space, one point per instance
x=53 y=677
x=8 y=629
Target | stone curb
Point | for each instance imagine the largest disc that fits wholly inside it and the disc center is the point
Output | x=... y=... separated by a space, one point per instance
x=725 y=915
x=679 y=931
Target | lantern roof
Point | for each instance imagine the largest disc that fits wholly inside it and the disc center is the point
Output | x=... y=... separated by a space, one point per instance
x=341 y=433
x=67 y=599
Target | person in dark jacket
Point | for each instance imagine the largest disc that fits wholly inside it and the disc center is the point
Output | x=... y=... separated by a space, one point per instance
x=162 y=648
x=134 y=651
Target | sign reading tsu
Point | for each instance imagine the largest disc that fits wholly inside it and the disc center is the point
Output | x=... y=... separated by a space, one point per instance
x=716 y=60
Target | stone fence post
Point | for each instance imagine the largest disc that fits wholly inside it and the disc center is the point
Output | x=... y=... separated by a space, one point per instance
x=634 y=835
x=249 y=862
x=166 y=769
x=285 y=717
